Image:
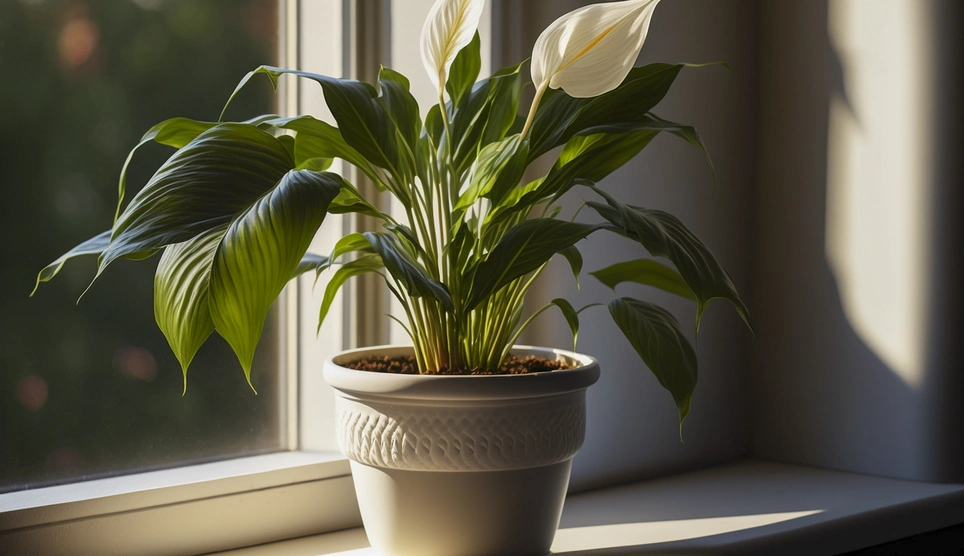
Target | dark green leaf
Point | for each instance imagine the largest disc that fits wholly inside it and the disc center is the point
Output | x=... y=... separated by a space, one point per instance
x=656 y=336
x=560 y=116
x=202 y=186
x=362 y=120
x=464 y=70
x=401 y=106
x=524 y=248
x=663 y=235
x=571 y=316
x=175 y=132
x=406 y=271
x=574 y=257
x=646 y=272
x=484 y=115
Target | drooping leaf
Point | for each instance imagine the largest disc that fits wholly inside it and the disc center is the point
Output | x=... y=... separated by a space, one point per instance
x=204 y=185
x=658 y=339
x=663 y=235
x=361 y=118
x=464 y=70
x=571 y=316
x=406 y=271
x=349 y=200
x=364 y=264
x=647 y=272
x=311 y=262
x=175 y=132
x=354 y=242
x=93 y=246
x=574 y=257
x=182 y=293
x=259 y=252
x=524 y=248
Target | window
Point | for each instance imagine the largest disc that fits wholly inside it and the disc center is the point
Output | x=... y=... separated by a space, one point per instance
x=99 y=378
x=93 y=390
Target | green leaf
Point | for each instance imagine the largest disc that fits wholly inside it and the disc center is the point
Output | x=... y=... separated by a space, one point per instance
x=663 y=235
x=354 y=242
x=350 y=200
x=175 y=132
x=401 y=106
x=202 y=186
x=498 y=169
x=524 y=248
x=311 y=262
x=260 y=251
x=406 y=271
x=591 y=155
x=315 y=138
x=182 y=292
x=658 y=339
x=647 y=272
x=571 y=316
x=93 y=246
x=362 y=119
x=560 y=116
x=361 y=265
x=574 y=257
x=464 y=70
x=484 y=115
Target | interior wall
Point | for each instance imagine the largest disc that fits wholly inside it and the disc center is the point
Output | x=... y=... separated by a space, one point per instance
x=856 y=253
x=632 y=424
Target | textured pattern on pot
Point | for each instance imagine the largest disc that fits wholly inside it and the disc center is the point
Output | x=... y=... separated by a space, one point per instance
x=513 y=434
x=461 y=423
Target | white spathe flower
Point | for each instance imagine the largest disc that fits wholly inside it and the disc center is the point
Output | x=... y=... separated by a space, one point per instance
x=449 y=27
x=589 y=51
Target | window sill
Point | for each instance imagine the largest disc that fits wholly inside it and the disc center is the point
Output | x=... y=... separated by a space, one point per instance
x=750 y=507
x=176 y=510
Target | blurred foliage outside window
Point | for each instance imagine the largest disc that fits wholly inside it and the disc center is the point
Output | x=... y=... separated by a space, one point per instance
x=92 y=390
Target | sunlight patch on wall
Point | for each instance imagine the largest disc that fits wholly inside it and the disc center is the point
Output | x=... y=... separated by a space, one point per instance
x=879 y=176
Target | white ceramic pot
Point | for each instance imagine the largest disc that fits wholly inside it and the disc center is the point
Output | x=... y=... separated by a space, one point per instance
x=461 y=465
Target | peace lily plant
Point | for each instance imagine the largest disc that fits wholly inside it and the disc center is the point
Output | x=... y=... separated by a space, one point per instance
x=233 y=210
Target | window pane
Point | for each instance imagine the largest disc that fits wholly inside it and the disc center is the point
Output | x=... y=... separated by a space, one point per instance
x=93 y=390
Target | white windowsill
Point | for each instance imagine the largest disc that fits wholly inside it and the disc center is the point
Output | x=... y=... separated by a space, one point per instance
x=246 y=501
x=750 y=507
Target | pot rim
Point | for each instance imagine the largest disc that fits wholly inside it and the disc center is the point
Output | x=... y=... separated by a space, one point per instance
x=366 y=384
